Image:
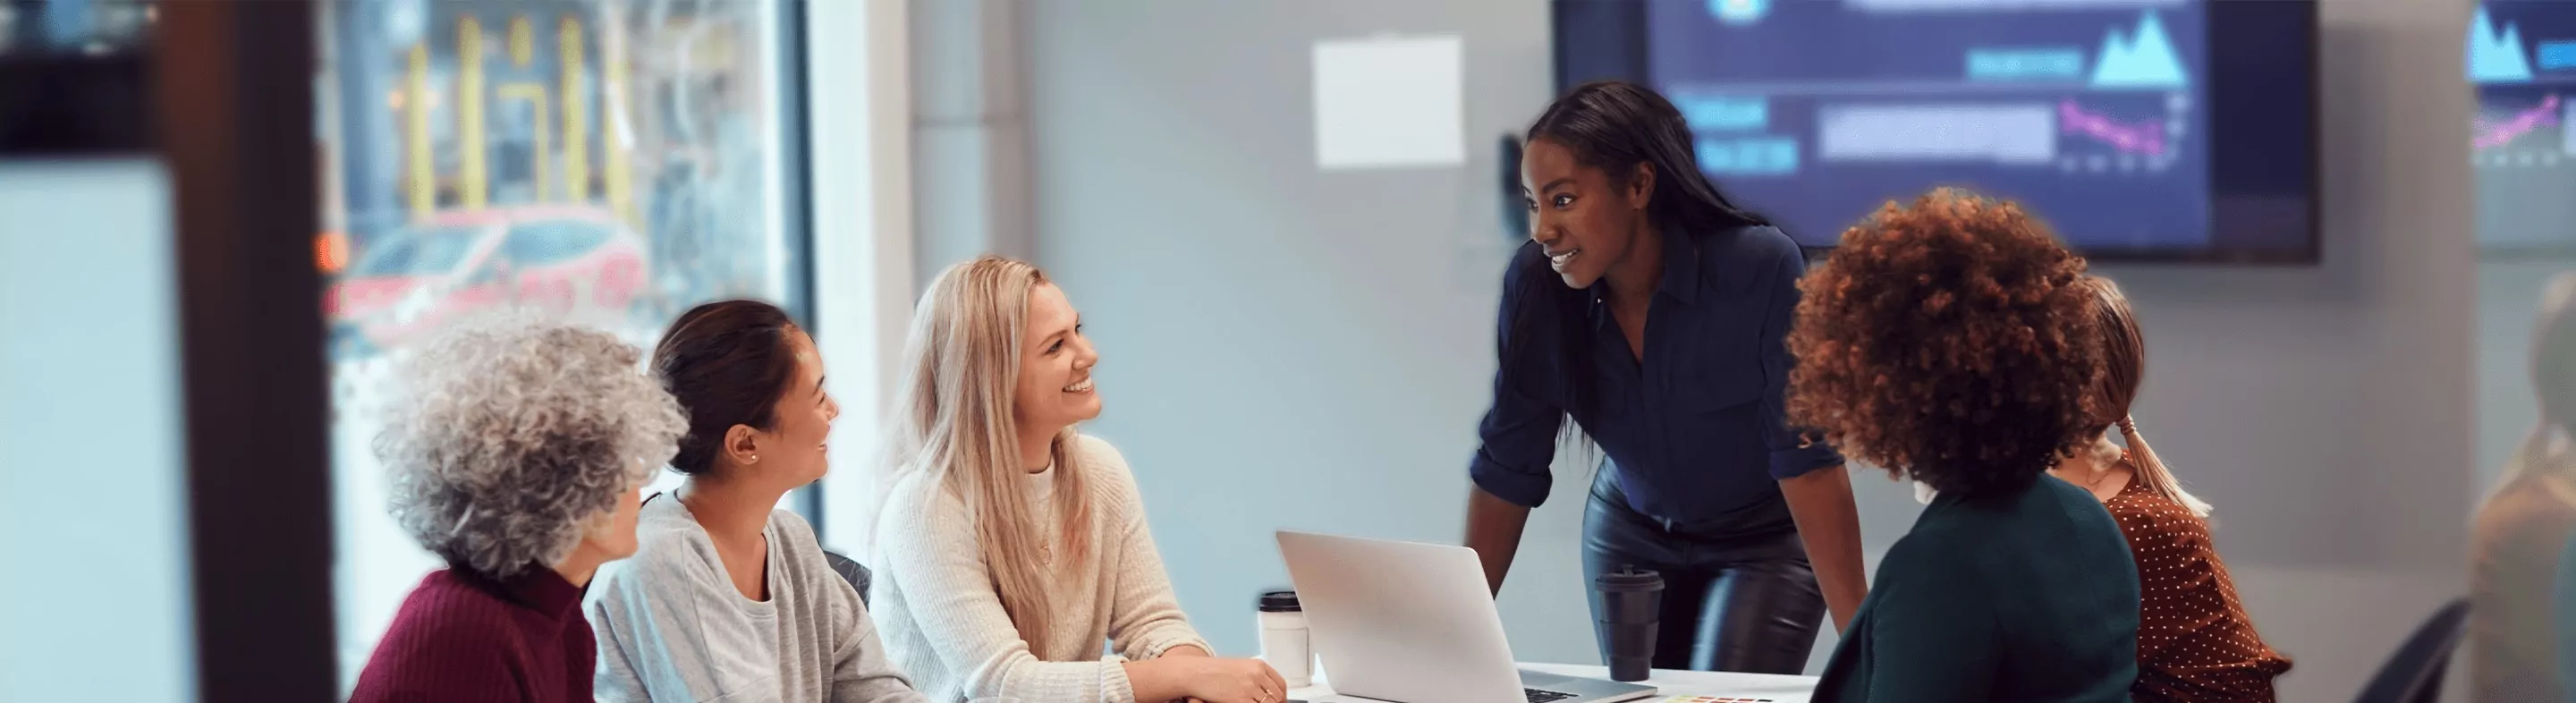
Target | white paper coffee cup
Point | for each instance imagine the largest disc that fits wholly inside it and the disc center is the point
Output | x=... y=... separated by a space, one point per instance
x=1284 y=641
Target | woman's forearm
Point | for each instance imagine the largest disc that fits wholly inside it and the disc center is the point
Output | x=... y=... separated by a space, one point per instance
x=1156 y=680
x=1494 y=530
x=1821 y=503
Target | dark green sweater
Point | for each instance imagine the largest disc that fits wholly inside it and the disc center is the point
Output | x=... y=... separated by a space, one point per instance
x=2023 y=595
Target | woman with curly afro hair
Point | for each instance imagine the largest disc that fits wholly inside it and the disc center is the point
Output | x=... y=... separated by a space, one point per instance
x=1953 y=341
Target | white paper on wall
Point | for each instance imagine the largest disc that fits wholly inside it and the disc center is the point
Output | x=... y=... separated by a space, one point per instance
x=1390 y=102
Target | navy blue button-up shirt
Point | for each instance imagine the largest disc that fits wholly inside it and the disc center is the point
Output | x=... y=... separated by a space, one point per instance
x=1696 y=430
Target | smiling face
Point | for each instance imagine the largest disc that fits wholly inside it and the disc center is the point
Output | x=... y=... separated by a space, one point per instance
x=1055 y=367
x=793 y=451
x=1587 y=221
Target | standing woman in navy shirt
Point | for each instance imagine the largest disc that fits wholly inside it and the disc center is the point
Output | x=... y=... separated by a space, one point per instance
x=1652 y=314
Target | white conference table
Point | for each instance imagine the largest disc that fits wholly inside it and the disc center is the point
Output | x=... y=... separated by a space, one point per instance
x=1768 y=688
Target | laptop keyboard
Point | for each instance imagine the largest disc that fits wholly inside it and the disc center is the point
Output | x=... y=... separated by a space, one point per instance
x=1538 y=696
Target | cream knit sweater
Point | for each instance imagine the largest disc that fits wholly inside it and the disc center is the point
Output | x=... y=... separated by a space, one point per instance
x=944 y=624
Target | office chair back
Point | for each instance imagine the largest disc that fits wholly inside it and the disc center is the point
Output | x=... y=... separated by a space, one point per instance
x=850 y=571
x=2414 y=673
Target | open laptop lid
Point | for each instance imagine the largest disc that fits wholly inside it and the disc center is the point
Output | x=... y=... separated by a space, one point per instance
x=1401 y=621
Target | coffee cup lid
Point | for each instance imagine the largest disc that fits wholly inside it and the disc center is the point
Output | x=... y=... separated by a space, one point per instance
x=1630 y=577
x=1279 y=602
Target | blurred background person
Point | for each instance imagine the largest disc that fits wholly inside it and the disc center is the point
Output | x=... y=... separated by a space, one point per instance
x=731 y=596
x=1752 y=528
x=517 y=449
x=1012 y=547
x=2195 y=642
x=2012 y=585
x=2523 y=527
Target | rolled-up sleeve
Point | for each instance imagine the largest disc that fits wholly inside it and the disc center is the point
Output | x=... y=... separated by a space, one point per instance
x=1517 y=439
x=1793 y=452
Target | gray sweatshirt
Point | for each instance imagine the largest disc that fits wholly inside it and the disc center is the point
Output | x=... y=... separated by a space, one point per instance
x=671 y=626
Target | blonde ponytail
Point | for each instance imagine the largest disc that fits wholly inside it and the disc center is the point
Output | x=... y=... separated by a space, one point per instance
x=2125 y=357
x=2151 y=471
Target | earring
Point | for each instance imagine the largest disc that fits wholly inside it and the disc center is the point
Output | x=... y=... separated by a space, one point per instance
x=753 y=460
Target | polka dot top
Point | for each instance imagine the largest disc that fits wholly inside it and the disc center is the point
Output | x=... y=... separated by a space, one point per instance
x=2194 y=641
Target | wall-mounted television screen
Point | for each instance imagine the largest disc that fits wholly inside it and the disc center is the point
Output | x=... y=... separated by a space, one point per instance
x=2176 y=130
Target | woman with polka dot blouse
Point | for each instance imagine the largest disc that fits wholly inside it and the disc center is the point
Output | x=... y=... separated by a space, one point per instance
x=2194 y=641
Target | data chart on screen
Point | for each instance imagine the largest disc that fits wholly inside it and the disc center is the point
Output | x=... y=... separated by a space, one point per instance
x=2521 y=56
x=1817 y=111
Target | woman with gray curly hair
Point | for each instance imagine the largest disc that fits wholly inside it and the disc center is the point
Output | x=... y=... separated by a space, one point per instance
x=516 y=451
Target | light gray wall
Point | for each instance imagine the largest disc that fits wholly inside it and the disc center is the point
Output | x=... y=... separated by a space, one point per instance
x=970 y=132
x=1289 y=348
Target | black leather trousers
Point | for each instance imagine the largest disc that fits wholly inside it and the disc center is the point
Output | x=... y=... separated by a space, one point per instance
x=1744 y=602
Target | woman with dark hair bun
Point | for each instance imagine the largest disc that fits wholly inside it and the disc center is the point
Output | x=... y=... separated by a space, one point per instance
x=730 y=598
x=1955 y=342
x=1650 y=312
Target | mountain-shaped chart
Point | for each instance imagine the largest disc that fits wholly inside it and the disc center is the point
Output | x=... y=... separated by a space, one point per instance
x=1739 y=12
x=2145 y=59
x=2496 y=57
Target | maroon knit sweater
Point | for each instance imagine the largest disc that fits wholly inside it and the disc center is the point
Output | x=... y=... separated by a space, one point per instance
x=465 y=637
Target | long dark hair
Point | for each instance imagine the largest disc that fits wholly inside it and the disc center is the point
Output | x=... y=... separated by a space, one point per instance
x=728 y=363
x=1614 y=126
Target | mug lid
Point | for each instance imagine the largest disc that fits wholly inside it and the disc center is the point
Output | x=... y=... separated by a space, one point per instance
x=1279 y=602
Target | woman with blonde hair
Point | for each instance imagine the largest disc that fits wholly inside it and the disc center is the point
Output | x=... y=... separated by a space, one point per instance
x=2195 y=642
x=1011 y=547
x=2516 y=539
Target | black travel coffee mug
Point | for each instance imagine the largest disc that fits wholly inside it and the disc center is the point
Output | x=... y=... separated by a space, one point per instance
x=1625 y=622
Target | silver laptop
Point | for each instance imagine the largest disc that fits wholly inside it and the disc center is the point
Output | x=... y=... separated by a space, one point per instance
x=1414 y=623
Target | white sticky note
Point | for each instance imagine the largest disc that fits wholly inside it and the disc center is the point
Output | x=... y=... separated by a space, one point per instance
x=1390 y=102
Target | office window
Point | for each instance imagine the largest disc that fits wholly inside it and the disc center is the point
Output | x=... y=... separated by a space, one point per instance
x=611 y=162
